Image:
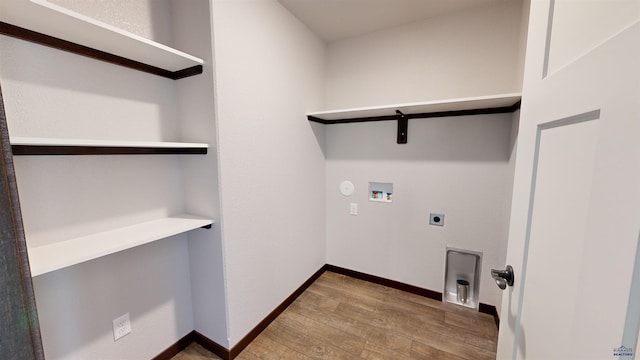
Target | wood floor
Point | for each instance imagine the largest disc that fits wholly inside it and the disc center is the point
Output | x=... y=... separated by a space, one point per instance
x=339 y=317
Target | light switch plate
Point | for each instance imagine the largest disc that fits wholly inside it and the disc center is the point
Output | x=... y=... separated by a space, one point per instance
x=353 y=209
x=436 y=219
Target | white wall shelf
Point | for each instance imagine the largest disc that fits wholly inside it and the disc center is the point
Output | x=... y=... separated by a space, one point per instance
x=479 y=105
x=439 y=108
x=64 y=29
x=59 y=146
x=47 y=258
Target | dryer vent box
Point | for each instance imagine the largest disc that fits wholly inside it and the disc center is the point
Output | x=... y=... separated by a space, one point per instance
x=462 y=267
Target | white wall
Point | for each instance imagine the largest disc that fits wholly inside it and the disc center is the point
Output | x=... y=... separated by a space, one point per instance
x=197 y=114
x=269 y=72
x=456 y=166
x=49 y=93
x=148 y=18
x=460 y=166
x=470 y=53
x=76 y=305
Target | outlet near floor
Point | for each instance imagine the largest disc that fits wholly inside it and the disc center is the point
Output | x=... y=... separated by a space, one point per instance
x=121 y=326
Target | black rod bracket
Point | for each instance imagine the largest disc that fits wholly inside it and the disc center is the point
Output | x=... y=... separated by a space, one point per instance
x=403 y=122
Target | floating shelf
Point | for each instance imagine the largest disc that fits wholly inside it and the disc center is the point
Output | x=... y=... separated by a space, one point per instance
x=48 y=24
x=47 y=258
x=51 y=146
x=491 y=104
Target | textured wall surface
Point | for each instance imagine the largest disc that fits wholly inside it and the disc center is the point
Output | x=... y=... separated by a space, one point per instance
x=458 y=166
x=269 y=72
x=464 y=54
x=148 y=18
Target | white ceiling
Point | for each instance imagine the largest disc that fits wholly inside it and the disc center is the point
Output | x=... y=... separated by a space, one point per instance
x=333 y=20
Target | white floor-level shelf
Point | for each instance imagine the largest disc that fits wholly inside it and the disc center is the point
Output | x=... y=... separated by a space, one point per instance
x=47 y=258
x=53 y=20
x=447 y=105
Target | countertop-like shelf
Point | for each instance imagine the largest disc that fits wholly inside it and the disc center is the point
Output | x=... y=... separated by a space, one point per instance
x=47 y=258
x=62 y=28
x=449 y=107
x=53 y=146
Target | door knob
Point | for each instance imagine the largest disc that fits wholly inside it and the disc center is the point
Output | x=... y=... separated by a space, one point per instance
x=503 y=277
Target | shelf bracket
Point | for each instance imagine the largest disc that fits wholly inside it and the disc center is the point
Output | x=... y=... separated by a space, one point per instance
x=206 y=226
x=403 y=121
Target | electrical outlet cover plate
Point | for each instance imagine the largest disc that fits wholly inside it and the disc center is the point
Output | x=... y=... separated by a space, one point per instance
x=121 y=326
x=436 y=219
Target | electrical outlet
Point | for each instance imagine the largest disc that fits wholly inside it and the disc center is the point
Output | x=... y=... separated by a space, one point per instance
x=436 y=219
x=121 y=326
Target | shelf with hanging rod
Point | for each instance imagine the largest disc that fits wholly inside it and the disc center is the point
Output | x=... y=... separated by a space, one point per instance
x=491 y=104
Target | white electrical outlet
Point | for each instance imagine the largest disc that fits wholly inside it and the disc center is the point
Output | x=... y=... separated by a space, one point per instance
x=121 y=326
x=353 y=209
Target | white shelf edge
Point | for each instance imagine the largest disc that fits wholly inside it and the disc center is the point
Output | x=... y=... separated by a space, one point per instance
x=36 y=141
x=51 y=257
x=381 y=200
x=468 y=103
x=54 y=20
x=421 y=103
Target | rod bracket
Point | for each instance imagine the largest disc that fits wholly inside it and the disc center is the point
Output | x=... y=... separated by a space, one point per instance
x=403 y=122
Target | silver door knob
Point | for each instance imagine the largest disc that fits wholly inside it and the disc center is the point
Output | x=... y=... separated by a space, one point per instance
x=503 y=277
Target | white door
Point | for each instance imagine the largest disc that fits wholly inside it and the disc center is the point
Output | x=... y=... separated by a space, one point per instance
x=575 y=220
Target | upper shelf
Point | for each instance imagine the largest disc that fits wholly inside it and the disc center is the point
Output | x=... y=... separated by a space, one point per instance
x=501 y=103
x=51 y=146
x=49 y=24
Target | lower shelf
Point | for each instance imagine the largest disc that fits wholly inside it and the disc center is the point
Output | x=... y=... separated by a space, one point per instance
x=47 y=258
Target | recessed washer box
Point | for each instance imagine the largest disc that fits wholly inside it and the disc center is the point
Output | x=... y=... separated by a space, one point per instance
x=380 y=192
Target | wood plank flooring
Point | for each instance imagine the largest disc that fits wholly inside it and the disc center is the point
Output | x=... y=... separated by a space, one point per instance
x=339 y=317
